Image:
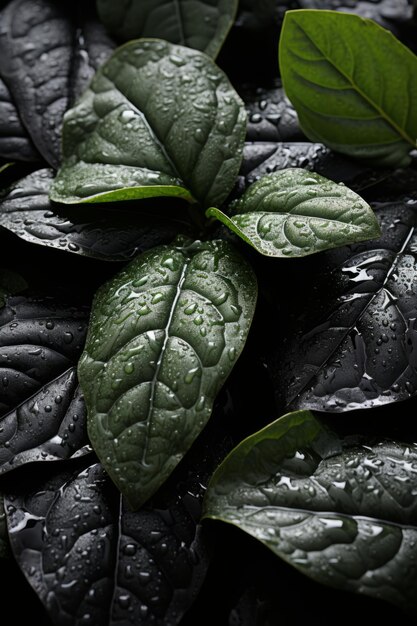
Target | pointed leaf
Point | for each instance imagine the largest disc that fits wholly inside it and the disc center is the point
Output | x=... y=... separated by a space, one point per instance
x=49 y=426
x=356 y=344
x=340 y=512
x=163 y=337
x=294 y=212
x=199 y=24
x=157 y=120
x=25 y=209
x=39 y=340
x=344 y=75
x=97 y=558
x=14 y=140
x=43 y=62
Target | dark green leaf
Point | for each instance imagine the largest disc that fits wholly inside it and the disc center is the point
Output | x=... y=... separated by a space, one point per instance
x=199 y=24
x=25 y=209
x=47 y=57
x=14 y=140
x=157 y=120
x=294 y=212
x=342 y=513
x=39 y=340
x=352 y=83
x=355 y=345
x=49 y=426
x=4 y=537
x=163 y=337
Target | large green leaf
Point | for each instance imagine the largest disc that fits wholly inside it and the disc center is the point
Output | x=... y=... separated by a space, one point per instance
x=341 y=512
x=294 y=212
x=163 y=337
x=157 y=120
x=353 y=84
x=199 y=24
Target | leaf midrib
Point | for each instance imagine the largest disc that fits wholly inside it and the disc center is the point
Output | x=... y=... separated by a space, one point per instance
x=377 y=108
x=359 y=317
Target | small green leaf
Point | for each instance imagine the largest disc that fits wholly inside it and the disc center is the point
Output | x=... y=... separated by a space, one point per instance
x=163 y=337
x=353 y=84
x=199 y=24
x=292 y=213
x=340 y=511
x=158 y=119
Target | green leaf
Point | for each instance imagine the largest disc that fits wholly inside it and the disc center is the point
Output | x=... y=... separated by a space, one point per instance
x=293 y=212
x=341 y=512
x=163 y=337
x=158 y=119
x=199 y=24
x=353 y=84
x=4 y=537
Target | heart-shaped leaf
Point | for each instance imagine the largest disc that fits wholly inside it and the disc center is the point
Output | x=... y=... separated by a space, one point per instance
x=25 y=209
x=341 y=512
x=199 y=24
x=49 y=426
x=47 y=57
x=352 y=83
x=163 y=337
x=356 y=345
x=14 y=140
x=157 y=120
x=294 y=212
x=39 y=340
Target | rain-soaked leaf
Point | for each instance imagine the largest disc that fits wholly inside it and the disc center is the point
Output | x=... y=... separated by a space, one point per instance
x=340 y=511
x=157 y=120
x=199 y=24
x=294 y=212
x=100 y=559
x=48 y=53
x=40 y=339
x=4 y=537
x=163 y=337
x=14 y=140
x=343 y=75
x=355 y=345
x=49 y=426
x=116 y=235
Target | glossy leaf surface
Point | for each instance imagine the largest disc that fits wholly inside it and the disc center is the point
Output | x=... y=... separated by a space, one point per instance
x=157 y=120
x=294 y=212
x=341 y=512
x=344 y=75
x=163 y=337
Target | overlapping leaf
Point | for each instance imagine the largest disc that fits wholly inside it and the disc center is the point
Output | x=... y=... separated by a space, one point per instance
x=344 y=75
x=294 y=212
x=163 y=337
x=341 y=512
x=356 y=345
x=46 y=62
x=25 y=209
x=157 y=120
x=199 y=24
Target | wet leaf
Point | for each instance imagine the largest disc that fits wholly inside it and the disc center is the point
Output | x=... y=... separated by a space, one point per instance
x=14 y=140
x=163 y=337
x=341 y=512
x=25 y=209
x=294 y=212
x=49 y=426
x=157 y=120
x=4 y=537
x=99 y=559
x=39 y=340
x=343 y=75
x=199 y=24
x=47 y=57
x=356 y=345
